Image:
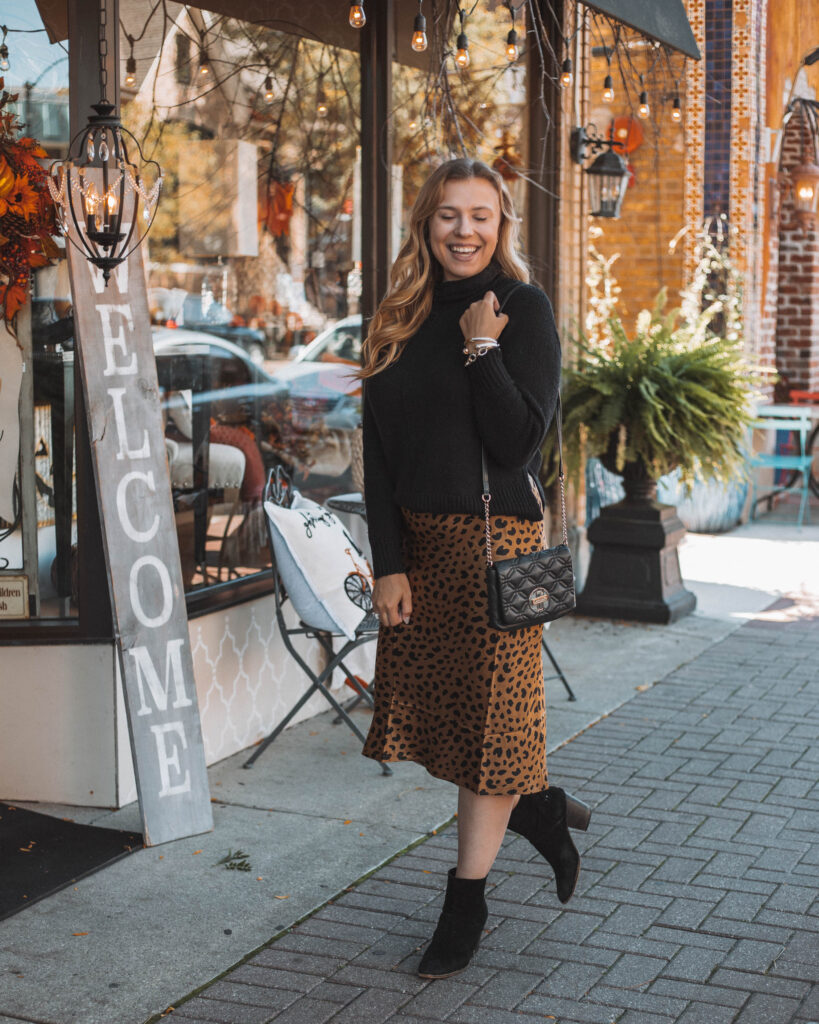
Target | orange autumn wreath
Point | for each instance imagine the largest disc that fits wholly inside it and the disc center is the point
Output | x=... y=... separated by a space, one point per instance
x=27 y=215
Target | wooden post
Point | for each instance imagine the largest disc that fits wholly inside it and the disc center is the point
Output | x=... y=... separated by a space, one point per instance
x=542 y=222
x=377 y=43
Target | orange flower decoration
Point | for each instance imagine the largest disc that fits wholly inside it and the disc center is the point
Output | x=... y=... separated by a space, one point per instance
x=22 y=200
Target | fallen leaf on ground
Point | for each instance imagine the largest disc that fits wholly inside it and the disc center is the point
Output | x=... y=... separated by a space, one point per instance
x=349 y=821
x=79 y=933
x=195 y=852
x=287 y=897
x=643 y=686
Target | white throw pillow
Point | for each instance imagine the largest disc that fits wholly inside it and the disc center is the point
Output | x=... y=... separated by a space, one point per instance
x=326 y=576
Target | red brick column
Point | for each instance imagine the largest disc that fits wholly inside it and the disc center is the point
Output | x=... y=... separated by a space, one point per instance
x=797 y=308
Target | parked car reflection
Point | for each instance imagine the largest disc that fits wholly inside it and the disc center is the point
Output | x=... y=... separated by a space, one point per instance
x=300 y=417
x=176 y=307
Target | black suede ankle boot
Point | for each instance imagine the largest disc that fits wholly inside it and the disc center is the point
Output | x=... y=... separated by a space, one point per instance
x=459 y=929
x=544 y=819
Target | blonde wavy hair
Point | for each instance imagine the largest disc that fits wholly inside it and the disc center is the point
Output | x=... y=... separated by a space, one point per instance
x=416 y=271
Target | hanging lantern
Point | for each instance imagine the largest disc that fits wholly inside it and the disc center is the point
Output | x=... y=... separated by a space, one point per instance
x=805 y=188
x=104 y=203
x=608 y=180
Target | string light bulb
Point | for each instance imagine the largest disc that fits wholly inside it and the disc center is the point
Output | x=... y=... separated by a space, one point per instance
x=321 y=99
x=413 y=124
x=566 y=75
x=130 y=72
x=268 y=89
x=419 y=31
x=462 y=54
x=512 y=48
x=358 y=19
x=4 y=57
x=644 y=110
x=608 y=90
x=676 y=111
x=204 y=64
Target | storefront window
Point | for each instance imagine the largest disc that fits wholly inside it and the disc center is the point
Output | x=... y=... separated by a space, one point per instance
x=253 y=267
x=38 y=521
x=446 y=112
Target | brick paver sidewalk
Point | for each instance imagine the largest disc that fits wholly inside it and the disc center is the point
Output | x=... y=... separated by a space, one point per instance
x=698 y=900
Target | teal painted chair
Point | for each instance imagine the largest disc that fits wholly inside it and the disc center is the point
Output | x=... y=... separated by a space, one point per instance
x=797 y=423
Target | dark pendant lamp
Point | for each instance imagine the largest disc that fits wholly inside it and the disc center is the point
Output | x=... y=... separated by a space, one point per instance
x=608 y=180
x=608 y=172
x=105 y=204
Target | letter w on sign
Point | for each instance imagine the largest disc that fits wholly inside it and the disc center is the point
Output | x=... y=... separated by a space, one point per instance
x=116 y=361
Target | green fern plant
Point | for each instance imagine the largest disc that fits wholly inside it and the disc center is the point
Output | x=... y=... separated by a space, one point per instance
x=673 y=395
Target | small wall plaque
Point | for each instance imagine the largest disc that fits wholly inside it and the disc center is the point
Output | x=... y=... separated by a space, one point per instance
x=13 y=597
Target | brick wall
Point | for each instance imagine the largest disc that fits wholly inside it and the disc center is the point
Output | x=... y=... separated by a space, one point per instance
x=797 y=299
x=653 y=209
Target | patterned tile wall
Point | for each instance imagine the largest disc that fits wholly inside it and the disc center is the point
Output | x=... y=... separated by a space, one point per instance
x=694 y=123
x=718 y=61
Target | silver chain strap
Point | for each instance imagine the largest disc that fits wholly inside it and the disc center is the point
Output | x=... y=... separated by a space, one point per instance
x=563 y=509
x=485 y=498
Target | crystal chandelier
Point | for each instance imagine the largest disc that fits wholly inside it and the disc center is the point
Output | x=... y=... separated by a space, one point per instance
x=101 y=190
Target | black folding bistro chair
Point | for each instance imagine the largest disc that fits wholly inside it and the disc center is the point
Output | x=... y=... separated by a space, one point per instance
x=278 y=489
x=558 y=673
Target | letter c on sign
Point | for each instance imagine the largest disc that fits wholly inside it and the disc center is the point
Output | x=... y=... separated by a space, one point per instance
x=140 y=536
x=152 y=622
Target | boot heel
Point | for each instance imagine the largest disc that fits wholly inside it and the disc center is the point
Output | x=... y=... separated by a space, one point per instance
x=578 y=814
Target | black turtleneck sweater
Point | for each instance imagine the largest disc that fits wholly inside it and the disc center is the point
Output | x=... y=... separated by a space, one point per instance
x=426 y=415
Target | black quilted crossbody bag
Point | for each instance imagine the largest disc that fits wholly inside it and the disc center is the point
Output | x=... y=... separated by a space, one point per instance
x=535 y=588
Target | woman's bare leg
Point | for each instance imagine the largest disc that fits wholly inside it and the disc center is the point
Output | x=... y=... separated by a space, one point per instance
x=482 y=822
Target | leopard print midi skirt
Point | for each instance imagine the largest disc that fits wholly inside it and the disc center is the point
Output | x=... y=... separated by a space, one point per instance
x=461 y=699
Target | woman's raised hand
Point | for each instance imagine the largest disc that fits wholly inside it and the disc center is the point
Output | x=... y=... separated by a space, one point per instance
x=480 y=319
x=392 y=600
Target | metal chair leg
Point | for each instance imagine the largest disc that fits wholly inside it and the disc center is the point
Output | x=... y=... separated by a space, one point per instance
x=558 y=671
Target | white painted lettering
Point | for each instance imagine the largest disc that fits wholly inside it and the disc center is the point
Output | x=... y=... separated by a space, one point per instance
x=114 y=341
x=146 y=672
x=140 y=536
x=122 y=430
x=152 y=622
x=170 y=758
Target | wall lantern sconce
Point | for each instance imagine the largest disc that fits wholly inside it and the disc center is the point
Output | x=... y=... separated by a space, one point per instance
x=100 y=189
x=803 y=180
x=608 y=172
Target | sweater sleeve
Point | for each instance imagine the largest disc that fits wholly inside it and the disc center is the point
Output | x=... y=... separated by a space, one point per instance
x=384 y=522
x=515 y=387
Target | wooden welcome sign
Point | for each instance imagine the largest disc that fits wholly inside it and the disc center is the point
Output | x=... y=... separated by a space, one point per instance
x=116 y=359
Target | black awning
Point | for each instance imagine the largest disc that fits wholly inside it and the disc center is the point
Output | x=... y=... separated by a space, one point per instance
x=663 y=20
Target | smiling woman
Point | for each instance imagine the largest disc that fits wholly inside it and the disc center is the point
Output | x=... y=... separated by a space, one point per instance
x=451 y=693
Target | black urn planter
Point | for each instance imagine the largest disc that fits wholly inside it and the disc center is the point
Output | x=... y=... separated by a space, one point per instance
x=634 y=571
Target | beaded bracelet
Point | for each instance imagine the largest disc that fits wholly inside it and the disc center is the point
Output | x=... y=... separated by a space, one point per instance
x=479 y=350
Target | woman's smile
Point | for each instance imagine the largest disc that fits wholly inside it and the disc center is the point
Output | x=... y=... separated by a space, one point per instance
x=463 y=231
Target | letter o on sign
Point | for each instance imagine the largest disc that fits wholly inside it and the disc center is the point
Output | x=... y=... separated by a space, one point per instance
x=152 y=622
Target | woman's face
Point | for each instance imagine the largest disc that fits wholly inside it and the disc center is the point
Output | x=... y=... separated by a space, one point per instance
x=463 y=231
